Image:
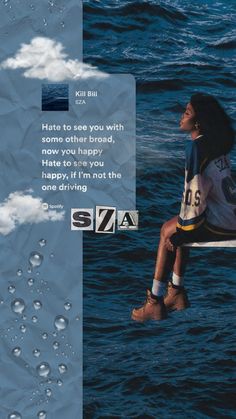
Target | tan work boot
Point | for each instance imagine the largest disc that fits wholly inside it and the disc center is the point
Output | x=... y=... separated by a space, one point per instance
x=153 y=309
x=176 y=298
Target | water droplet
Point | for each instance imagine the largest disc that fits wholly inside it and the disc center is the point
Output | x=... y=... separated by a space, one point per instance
x=48 y=392
x=18 y=306
x=60 y=383
x=43 y=369
x=63 y=24
x=35 y=259
x=6 y=2
x=42 y=242
x=30 y=282
x=1 y=302
x=37 y=304
x=49 y=381
x=44 y=335
x=77 y=318
x=67 y=306
x=62 y=368
x=54 y=334
x=16 y=351
x=34 y=319
x=51 y=255
x=45 y=22
x=14 y=415
x=29 y=270
x=19 y=272
x=55 y=345
x=24 y=317
x=36 y=352
x=42 y=414
x=23 y=328
x=11 y=289
x=61 y=322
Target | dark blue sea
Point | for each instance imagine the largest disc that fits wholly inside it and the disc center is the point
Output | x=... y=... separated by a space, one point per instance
x=55 y=97
x=183 y=367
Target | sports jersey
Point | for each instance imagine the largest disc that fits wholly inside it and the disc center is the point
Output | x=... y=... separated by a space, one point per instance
x=209 y=195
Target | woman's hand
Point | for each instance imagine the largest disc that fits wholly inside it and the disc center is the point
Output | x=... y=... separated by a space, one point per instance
x=169 y=245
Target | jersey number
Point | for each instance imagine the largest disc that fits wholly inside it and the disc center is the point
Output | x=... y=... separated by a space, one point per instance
x=229 y=189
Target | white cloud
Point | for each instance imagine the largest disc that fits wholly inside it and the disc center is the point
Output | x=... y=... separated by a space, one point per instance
x=44 y=58
x=21 y=208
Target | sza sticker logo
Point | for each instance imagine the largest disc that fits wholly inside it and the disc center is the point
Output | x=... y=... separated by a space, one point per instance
x=105 y=219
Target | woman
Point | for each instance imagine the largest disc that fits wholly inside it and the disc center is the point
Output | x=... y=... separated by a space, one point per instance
x=208 y=208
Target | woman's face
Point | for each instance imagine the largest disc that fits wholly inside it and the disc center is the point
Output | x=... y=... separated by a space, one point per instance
x=187 y=121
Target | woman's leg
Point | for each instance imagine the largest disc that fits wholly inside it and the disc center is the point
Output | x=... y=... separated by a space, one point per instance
x=176 y=297
x=182 y=256
x=166 y=262
x=165 y=258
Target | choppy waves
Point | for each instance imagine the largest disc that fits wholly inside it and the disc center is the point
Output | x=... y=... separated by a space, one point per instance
x=182 y=367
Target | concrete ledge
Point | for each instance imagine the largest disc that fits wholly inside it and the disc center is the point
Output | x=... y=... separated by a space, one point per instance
x=227 y=243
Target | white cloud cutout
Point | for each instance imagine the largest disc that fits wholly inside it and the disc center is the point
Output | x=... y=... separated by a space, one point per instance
x=22 y=208
x=44 y=58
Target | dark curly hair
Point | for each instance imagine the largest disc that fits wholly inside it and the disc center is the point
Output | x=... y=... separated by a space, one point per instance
x=214 y=124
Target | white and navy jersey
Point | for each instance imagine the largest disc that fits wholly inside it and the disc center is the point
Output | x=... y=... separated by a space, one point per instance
x=209 y=193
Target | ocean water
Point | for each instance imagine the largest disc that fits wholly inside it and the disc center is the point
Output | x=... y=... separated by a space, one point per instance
x=55 y=97
x=183 y=367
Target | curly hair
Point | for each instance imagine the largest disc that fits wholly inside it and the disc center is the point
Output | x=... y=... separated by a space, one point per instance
x=213 y=123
